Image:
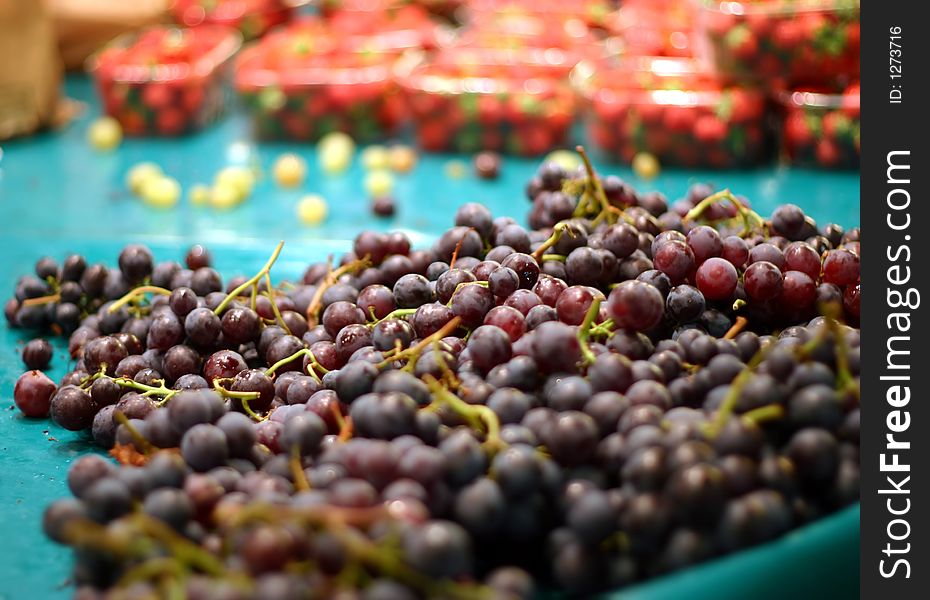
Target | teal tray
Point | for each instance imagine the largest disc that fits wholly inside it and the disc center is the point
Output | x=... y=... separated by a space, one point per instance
x=57 y=196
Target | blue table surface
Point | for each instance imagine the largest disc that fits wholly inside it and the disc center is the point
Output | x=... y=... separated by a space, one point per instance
x=58 y=196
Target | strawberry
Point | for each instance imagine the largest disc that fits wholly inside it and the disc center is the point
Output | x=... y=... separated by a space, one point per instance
x=490 y=109
x=492 y=139
x=850 y=101
x=710 y=129
x=679 y=119
x=745 y=105
x=741 y=42
x=170 y=121
x=433 y=135
x=193 y=98
x=156 y=95
x=797 y=131
x=828 y=152
x=296 y=126
x=787 y=34
x=836 y=125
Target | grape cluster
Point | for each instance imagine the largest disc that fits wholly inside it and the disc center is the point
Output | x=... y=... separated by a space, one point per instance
x=626 y=389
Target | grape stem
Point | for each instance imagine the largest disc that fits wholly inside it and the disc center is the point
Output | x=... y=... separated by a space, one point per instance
x=593 y=188
x=135 y=293
x=147 y=390
x=394 y=314
x=763 y=414
x=477 y=415
x=737 y=327
x=251 y=282
x=316 y=303
x=302 y=352
x=557 y=232
x=464 y=284
x=715 y=426
x=584 y=331
x=414 y=351
x=41 y=300
x=458 y=248
x=558 y=257
x=297 y=472
x=751 y=219
x=144 y=445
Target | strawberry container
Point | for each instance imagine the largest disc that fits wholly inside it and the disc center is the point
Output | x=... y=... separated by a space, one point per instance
x=440 y=8
x=655 y=30
x=525 y=30
x=820 y=129
x=783 y=43
x=251 y=17
x=592 y=13
x=672 y=108
x=462 y=103
x=408 y=22
x=165 y=80
x=305 y=97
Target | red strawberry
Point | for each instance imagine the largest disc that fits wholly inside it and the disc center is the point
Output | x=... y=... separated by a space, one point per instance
x=679 y=119
x=836 y=125
x=490 y=109
x=787 y=34
x=296 y=125
x=193 y=98
x=710 y=129
x=828 y=152
x=850 y=102
x=433 y=135
x=156 y=95
x=133 y=123
x=797 y=131
x=760 y=23
x=745 y=105
x=170 y=121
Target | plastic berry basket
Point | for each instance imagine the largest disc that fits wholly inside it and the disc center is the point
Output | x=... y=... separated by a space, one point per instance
x=784 y=42
x=165 y=80
x=593 y=13
x=441 y=8
x=251 y=17
x=672 y=108
x=405 y=21
x=520 y=30
x=522 y=106
x=335 y=91
x=646 y=30
x=820 y=129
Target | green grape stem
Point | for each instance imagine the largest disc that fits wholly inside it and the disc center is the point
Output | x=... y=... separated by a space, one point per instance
x=480 y=417
x=752 y=222
x=251 y=282
x=136 y=293
x=584 y=331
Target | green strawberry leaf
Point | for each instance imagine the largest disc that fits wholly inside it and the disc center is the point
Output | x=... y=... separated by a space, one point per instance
x=724 y=108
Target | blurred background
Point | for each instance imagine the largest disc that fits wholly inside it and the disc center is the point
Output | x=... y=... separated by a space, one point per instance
x=238 y=123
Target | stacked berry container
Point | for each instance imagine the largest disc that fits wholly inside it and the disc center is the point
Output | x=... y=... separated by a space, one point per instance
x=407 y=24
x=251 y=17
x=593 y=13
x=304 y=98
x=521 y=29
x=165 y=80
x=468 y=99
x=441 y=8
x=664 y=28
x=672 y=108
x=783 y=43
x=821 y=129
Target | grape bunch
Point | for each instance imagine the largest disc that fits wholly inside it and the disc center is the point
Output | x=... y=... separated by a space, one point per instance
x=623 y=390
